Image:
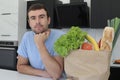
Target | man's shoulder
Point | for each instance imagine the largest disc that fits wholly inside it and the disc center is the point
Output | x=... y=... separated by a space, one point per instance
x=57 y=32
x=27 y=34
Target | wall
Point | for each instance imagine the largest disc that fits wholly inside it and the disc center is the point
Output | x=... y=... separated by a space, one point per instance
x=68 y=1
x=21 y=19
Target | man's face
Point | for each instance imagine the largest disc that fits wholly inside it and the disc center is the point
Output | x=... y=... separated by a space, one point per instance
x=38 y=20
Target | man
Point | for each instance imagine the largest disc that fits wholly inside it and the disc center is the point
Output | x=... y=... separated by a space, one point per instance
x=36 y=55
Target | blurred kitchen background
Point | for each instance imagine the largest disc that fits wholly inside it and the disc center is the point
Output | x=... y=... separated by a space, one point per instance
x=90 y=15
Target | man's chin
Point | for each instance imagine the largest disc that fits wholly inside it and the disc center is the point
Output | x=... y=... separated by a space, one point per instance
x=37 y=32
x=40 y=31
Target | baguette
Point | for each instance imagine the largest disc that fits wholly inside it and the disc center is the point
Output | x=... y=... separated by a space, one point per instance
x=107 y=39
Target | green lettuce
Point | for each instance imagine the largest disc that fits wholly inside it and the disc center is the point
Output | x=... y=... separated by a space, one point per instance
x=72 y=40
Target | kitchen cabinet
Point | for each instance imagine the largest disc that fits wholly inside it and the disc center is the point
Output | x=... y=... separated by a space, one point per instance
x=8 y=26
x=9 y=6
x=114 y=73
x=101 y=10
x=9 y=20
x=12 y=19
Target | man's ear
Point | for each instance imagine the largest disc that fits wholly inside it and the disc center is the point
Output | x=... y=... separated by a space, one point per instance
x=29 y=23
x=49 y=20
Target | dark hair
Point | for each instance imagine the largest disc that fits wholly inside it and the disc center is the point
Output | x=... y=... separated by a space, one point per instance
x=38 y=6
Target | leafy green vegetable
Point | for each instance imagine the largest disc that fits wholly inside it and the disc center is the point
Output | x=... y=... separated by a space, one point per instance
x=115 y=23
x=72 y=40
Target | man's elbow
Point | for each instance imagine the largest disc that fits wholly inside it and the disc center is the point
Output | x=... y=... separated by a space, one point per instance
x=57 y=76
x=19 y=69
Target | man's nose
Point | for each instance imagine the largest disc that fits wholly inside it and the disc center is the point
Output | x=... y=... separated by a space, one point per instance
x=37 y=20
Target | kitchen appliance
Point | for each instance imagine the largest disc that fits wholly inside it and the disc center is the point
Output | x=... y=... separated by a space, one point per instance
x=75 y=1
x=8 y=54
x=72 y=15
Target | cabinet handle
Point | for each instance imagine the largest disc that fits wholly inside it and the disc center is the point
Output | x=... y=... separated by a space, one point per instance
x=6 y=14
x=5 y=35
x=7 y=48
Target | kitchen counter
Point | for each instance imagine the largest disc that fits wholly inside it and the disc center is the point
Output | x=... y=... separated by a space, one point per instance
x=14 y=75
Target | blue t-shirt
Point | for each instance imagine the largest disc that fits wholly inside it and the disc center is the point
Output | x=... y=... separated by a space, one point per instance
x=29 y=50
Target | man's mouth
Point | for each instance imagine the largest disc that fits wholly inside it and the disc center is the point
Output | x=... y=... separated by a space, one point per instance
x=39 y=29
x=39 y=26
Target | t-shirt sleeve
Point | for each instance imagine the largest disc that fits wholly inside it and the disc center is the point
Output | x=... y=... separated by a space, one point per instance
x=55 y=53
x=22 y=50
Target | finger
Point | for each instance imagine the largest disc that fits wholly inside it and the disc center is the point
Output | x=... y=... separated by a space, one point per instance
x=48 y=32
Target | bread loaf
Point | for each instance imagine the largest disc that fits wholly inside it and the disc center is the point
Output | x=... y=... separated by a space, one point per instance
x=107 y=39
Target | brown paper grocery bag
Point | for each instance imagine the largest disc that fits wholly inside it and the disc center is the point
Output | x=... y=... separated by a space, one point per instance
x=88 y=65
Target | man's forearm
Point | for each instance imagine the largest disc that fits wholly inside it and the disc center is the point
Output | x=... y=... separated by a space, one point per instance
x=52 y=66
x=26 y=69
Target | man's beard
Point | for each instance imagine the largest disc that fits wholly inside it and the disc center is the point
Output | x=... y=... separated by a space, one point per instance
x=37 y=32
x=41 y=26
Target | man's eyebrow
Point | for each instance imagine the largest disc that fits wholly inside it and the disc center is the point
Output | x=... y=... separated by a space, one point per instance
x=42 y=15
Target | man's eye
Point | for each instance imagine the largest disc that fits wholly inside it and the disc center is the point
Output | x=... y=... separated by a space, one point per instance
x=41 y=17
x=32 y=18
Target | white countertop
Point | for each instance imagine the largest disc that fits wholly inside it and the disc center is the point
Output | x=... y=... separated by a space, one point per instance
x=14 y=75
